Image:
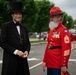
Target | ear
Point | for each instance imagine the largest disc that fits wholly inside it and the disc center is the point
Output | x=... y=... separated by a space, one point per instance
x=12 y=15
x=59 y=18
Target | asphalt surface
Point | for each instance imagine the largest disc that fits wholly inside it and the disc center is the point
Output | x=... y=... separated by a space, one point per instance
x=35 y=60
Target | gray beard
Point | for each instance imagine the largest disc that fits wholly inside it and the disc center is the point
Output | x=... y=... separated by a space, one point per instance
x=53 y=25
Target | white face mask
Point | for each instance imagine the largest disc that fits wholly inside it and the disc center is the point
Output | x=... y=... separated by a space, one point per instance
x=53 y=25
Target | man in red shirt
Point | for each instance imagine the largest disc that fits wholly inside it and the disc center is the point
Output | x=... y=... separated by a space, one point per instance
x=58 y=48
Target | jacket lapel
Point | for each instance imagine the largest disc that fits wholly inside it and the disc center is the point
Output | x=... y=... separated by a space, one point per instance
x=14 y=29
x=22 y=32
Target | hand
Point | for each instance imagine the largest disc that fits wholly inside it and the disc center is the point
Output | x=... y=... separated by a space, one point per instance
x=25 y=54
x=43 y=66
x=19 y=53
x=63 y=69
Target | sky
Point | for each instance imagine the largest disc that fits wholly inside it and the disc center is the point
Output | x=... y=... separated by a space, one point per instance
x=68 y=6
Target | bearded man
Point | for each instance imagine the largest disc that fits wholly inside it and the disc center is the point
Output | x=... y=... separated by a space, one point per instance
x=58 y=48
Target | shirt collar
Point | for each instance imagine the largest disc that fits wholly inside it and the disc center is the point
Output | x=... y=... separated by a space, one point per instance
x=16 y=22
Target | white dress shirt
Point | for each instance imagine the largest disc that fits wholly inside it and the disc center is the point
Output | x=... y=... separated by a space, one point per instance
x=18 y=29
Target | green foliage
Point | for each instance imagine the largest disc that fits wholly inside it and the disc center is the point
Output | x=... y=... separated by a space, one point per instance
x=30 y=16
x=4 y=12
x=43 y=15
x=68 y=21
x=36 y=17
x=74 y=21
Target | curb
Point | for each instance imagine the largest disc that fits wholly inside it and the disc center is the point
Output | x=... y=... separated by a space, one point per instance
x=32 y=44
x=38 y=43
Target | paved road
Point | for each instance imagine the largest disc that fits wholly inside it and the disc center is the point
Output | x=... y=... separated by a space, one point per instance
x=35 y=60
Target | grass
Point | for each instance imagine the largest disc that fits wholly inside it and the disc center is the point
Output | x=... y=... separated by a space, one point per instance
x=37 y=41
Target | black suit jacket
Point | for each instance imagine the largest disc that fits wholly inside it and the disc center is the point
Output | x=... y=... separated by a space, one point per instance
x=10 y=41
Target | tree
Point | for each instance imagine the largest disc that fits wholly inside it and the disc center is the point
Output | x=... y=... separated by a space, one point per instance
x=4 y=12
x=30 y=16
x=43 y=15
x=68 y=21
x=36 y=16
x=74 y=21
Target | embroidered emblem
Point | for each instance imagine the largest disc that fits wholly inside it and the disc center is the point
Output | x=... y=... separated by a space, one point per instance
x=66 y=39
x=56 y=35
x=65 y=30
x=66 y=53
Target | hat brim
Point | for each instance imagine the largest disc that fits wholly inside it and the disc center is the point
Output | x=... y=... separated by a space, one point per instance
x=56 y=14
x=17 y=12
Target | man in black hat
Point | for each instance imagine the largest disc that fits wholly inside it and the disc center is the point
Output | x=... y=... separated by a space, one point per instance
x=16 y=45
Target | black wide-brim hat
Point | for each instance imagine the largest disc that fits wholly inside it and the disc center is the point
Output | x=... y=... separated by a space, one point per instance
x=16 y=7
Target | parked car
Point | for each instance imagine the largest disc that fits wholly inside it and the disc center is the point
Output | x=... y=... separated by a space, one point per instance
x=44 y=35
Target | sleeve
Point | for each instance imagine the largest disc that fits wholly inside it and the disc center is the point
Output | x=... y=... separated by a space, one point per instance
x=45 y=53
x=15 y=52
x=28 y=42
x=4 y=44
x=46 y=49
x=66 y=47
